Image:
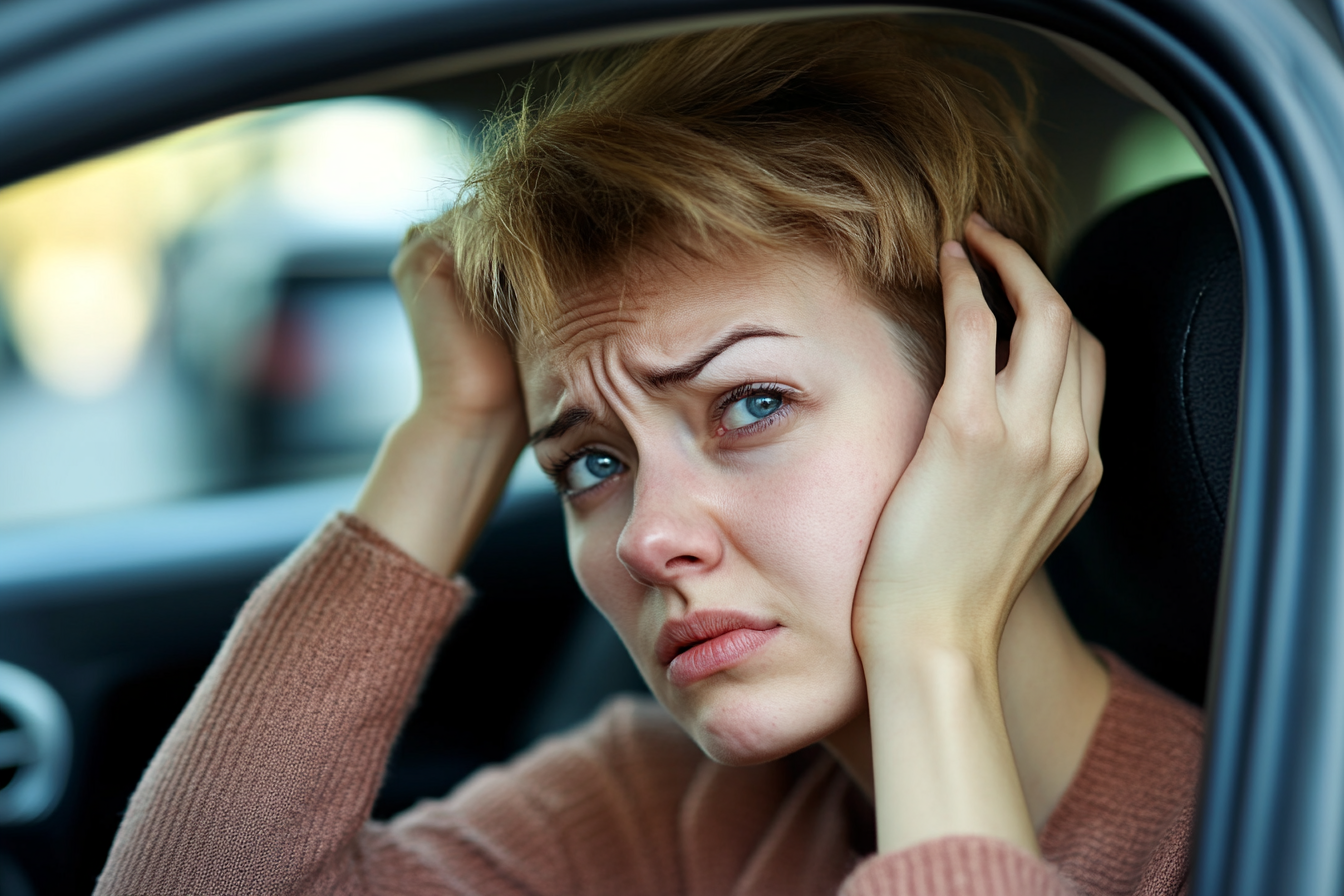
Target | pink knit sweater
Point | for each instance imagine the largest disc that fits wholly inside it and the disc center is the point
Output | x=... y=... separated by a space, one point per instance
x=265 y=783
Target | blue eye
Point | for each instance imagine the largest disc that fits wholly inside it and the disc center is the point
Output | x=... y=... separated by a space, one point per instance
x=746 y=411
x=588 y=470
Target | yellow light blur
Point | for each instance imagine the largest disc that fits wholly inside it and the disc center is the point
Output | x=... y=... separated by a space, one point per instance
x=79 y=250
x=80 y=247
x=81 y=314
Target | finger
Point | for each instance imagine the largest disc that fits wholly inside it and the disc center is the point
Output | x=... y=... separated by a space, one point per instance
x=421 y=261
x=1039 y=347
x=1091 y=365
x=1094 y=385
x=1067 y=429
x=970 y=329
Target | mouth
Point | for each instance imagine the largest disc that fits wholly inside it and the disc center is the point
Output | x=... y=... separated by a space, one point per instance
x=707 y=642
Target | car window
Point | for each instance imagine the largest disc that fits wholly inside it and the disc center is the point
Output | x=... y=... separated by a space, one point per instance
x=210 y=310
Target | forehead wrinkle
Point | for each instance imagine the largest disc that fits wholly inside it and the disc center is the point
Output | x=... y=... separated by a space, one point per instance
x=590 y=309
x=589 y=379
x=604 y=400
x=613 y=380
x=616 y=388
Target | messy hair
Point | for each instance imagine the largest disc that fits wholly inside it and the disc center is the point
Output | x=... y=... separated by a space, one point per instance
x=872 y=140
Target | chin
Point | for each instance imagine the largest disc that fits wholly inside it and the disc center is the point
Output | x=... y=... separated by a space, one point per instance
x=747 y=729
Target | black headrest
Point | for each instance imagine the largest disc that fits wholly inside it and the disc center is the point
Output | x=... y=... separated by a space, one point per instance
x=1159 y=282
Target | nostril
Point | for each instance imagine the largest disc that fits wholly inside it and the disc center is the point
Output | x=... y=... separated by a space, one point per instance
x=682 y=561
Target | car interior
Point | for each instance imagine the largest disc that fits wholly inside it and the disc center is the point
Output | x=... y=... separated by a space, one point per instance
x=293 y=363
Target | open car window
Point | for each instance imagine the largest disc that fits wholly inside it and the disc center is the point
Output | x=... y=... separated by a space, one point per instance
x=208 y=315
x=210 y=311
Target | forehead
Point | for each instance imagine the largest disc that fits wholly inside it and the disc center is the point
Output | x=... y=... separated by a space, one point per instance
x=671 y=306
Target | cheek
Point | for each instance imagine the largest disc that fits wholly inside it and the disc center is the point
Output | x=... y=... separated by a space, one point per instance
x=807 y=521
x=809 y=527
x=592 y=555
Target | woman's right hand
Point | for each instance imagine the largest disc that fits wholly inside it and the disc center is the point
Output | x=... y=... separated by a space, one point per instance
x=466 y=370
x=441 y=469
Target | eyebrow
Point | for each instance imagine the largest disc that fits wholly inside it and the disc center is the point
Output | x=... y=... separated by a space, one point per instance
x=671 y=376
x=658 y=379
x=568 y=419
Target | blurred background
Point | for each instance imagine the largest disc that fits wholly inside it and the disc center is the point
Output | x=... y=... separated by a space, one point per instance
x=210 y=311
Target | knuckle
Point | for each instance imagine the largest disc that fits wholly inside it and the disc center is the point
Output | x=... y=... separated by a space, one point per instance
x=1055 y=314
x=1034 y=453
x=1071 y=456
x=972 y=428
x=974 y=320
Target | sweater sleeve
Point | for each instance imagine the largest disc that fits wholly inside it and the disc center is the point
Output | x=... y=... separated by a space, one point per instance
x=592 y=811
x=956 y=866
x=266 y=780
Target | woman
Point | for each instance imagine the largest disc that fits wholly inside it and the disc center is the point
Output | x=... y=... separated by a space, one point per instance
x=707 y=282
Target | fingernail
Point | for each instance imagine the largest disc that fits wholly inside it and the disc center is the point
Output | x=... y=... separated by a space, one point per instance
x=980 y=219
x=954 y=248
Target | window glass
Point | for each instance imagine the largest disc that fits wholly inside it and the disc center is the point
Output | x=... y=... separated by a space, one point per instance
x=211 y=310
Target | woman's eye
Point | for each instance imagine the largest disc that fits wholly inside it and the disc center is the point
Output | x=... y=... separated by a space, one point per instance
x=746 y=411
x=588 y=470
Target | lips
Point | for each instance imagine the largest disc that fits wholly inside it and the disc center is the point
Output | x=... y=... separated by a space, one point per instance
x=707 y=642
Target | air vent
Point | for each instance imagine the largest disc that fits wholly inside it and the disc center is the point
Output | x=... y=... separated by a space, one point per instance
x=34 y=746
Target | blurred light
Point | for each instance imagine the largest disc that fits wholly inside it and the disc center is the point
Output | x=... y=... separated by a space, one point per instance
x=1150 y=152
x=81 y=315
x=367 y=159
x=81 y=248
x=201 y=226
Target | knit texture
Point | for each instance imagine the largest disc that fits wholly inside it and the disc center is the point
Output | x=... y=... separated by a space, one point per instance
x=265 y=783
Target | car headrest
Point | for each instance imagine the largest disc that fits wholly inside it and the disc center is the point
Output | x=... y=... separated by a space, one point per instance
x=1159 y=282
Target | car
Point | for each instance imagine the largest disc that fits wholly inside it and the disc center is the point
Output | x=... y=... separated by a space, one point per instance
x=112 y=602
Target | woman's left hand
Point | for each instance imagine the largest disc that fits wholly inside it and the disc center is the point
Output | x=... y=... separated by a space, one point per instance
x=1007 y=465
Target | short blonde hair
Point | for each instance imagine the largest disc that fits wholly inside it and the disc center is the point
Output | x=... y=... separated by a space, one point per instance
x=871 y=139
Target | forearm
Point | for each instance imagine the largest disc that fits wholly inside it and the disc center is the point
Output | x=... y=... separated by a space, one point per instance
x=435 y=481
x=270 y=772
x=942 y=762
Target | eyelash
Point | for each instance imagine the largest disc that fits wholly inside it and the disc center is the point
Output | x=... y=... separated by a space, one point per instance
x=747 y=390
x=556 y=469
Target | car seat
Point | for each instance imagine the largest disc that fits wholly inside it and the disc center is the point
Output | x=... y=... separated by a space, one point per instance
x=1159 y=282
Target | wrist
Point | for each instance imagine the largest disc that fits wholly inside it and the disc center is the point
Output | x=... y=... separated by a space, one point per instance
x=942 y=761
x=929 y=664
x=892 y=638
x=436 y=480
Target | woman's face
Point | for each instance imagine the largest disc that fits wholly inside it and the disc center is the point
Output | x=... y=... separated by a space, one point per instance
x=727 y=434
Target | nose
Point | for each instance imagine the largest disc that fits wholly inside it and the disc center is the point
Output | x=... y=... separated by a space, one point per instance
x=670 y=534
